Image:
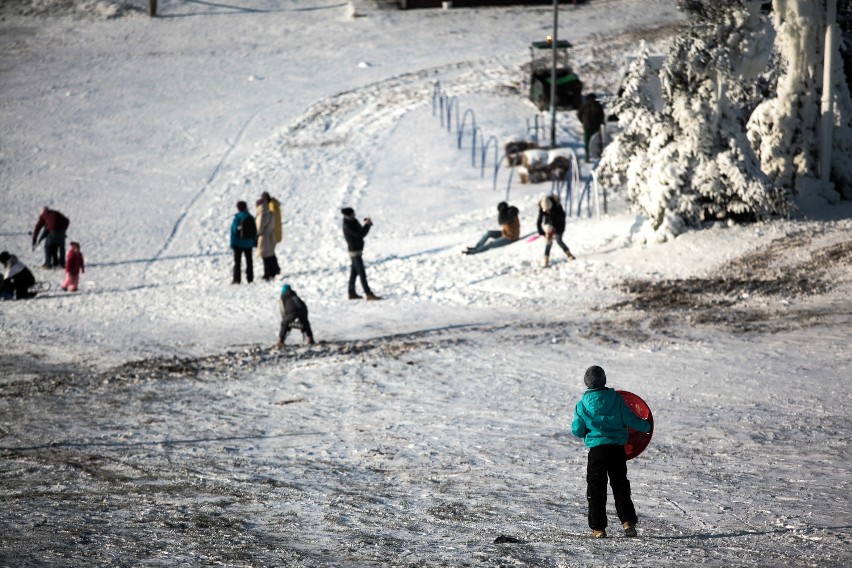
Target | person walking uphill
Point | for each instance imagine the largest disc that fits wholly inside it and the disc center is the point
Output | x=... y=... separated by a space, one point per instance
x=551 y=225
x=601 y=418
x=243 y=237
x=266 y=237
x=354 y=234
x=55 y=224
x=591 y=115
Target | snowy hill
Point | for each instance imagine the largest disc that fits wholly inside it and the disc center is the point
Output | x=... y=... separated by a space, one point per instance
x=146 y=418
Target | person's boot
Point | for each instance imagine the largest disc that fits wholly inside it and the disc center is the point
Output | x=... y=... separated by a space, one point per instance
x=371 y=296
x=545 y=262
x=599 y=534
x=354 y=296
x=569 y=255
x=629 y=529
x=310 y=340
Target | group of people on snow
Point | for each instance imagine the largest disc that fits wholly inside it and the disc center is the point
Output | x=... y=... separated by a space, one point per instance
x=263 y=231
x=51 y=227
x=550 y=224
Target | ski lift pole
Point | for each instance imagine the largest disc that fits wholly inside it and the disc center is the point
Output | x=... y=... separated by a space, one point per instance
x=554 y=42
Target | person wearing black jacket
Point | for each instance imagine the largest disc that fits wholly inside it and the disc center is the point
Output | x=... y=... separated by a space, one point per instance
x=591 y=115
x=293 y=309
x=551 y=225
x=16 y=279
x=354 y=234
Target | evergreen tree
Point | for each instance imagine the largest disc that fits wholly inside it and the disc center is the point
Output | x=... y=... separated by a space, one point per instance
x=734 y=136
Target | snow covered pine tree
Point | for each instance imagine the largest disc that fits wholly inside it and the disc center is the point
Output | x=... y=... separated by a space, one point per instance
x=735 y=137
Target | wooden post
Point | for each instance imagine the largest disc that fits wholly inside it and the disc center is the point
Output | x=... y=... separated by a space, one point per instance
x=152 y=8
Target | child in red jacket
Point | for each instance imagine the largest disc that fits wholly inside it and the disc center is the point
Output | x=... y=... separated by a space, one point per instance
x=74 y=265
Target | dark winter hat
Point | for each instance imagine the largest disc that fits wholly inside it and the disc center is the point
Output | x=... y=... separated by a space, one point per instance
x=241 y=206
x=4 y=256
x=285 y=288
x=595 y=377
x=265 y=196
x=502 y=205
x=348 y=211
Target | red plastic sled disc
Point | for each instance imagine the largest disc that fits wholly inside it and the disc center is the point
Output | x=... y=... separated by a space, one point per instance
x=637 y=441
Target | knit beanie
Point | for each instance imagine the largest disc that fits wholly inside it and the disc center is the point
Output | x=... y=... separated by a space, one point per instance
x=595 y=377
x=285 y=288
x=348 y=211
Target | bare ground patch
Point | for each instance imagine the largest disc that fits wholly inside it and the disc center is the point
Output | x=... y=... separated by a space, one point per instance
x=767 y=289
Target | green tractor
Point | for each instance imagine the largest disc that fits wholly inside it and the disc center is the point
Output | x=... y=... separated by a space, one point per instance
x=569 y=88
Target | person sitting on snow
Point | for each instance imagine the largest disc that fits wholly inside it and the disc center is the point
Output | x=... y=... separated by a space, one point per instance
x=509 y=232
x=17 y=278
x=293 y=310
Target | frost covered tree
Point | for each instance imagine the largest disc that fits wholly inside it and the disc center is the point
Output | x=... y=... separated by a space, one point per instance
x=733 y=135
x=785 y=129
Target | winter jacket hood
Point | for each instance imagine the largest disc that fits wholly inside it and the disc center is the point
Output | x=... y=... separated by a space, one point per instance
x=602 y=417
x=12 y=267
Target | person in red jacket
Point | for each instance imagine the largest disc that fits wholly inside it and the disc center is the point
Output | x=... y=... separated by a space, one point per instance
x=74 y=265
x=55 y=224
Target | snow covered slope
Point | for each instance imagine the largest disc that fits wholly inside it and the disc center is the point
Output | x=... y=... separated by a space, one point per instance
x=146 y=419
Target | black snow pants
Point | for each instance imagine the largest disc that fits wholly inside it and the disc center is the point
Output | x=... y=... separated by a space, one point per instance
x=608 y=460
x=289 y=321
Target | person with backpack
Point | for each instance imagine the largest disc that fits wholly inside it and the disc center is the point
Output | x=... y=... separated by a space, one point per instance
x=243 y=239
x=55 y=224
x=294 y=313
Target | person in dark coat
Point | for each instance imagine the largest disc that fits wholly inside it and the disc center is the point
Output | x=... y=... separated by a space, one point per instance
x=16 y=280
x=509 y=231
x=591 y=115
x=354 y=234
x=293 y=310
x=55 y=225
x=242 y=244
x=551 y=225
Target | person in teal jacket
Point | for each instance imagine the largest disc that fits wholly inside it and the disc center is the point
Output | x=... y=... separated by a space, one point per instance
x=601 y=418
x=243 y=238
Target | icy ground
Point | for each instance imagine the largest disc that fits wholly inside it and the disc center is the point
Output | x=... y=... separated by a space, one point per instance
x=146 y=420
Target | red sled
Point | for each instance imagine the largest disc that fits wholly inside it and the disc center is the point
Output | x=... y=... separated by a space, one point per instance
x=637 y=441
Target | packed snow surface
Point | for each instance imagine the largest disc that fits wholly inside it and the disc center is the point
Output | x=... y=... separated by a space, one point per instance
x=147 y=419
